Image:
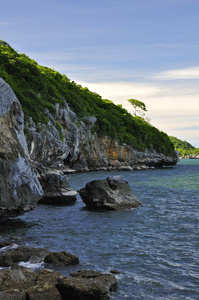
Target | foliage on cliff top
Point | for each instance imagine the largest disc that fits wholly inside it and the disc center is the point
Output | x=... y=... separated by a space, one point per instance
x=39 y=88
x=183 y=147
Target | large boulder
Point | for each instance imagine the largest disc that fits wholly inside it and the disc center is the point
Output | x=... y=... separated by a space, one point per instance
x=86 y=285
x=113 y=193
x=57 y=190
x=20 y=189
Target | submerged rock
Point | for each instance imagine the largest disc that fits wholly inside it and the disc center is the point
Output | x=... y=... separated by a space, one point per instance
x=113 y=193
x=20 y=189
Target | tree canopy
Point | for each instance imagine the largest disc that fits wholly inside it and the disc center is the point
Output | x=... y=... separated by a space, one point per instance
x=138 y=106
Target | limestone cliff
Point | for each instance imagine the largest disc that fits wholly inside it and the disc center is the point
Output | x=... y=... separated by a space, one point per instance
x=73 y=143
x=19 y=187
x=82 y=150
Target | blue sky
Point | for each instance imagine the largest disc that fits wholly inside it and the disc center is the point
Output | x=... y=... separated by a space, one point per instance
x=146 y=49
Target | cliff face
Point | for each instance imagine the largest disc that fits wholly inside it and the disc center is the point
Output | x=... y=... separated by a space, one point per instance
x=82 y=150
x=72 y=142
x=19 y=186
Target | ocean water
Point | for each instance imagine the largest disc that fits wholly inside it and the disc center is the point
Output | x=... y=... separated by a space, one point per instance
x=154 y=247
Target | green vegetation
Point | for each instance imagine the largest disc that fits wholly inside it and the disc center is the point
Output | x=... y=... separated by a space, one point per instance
x=183 y=147
x=39 y=88
x=138 y=106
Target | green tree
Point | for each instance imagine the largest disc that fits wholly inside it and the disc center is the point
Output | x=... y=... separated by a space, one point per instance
x=138 y=106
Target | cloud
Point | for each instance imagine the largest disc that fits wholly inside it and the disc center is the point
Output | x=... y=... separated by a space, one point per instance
x=187 y=73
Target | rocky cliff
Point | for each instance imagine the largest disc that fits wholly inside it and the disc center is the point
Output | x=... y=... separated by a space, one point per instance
x=82 y=150
x=73 y=143
x=19 y=187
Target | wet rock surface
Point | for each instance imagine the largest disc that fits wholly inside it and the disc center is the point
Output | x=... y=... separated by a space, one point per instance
x=113 y=193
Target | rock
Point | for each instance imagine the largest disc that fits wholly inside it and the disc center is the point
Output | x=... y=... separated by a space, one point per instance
x=43 y=292
x=61 y=258
x=48 y=276
x=114 y=272
x=56 y=189
x=22 y=254
x=5 y=244
x=20 y=189
x=81 y=149
x=45 y=288
x=86 y=285
x=21 y=283
x=17 y=279
x=113 y=193
x=14 y=294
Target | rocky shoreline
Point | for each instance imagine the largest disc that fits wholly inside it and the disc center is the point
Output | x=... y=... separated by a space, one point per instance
x=21 y=283
x=190 y=157
x=32 y=170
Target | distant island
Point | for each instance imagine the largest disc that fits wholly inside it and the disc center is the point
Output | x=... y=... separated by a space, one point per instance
x=185 y=149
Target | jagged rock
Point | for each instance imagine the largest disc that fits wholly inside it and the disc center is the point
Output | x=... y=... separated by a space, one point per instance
x=56 y=189
x=113 y=193
x=86 y=285
x=19 y=187
x=61 y=258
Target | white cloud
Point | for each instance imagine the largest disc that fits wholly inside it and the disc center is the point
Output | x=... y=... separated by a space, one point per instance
x=187 y=73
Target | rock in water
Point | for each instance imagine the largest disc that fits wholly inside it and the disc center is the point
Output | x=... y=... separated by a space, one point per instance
x=113 y=193
x=56 y=189
x=61 y=258
x=19 y=187
x=86 y=285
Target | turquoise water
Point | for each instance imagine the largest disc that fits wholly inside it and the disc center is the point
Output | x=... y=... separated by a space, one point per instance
x=155 y=247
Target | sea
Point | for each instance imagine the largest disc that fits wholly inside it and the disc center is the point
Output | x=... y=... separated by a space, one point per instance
x=154 y=247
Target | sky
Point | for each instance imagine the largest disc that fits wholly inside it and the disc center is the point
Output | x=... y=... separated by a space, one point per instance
x=142 y=49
